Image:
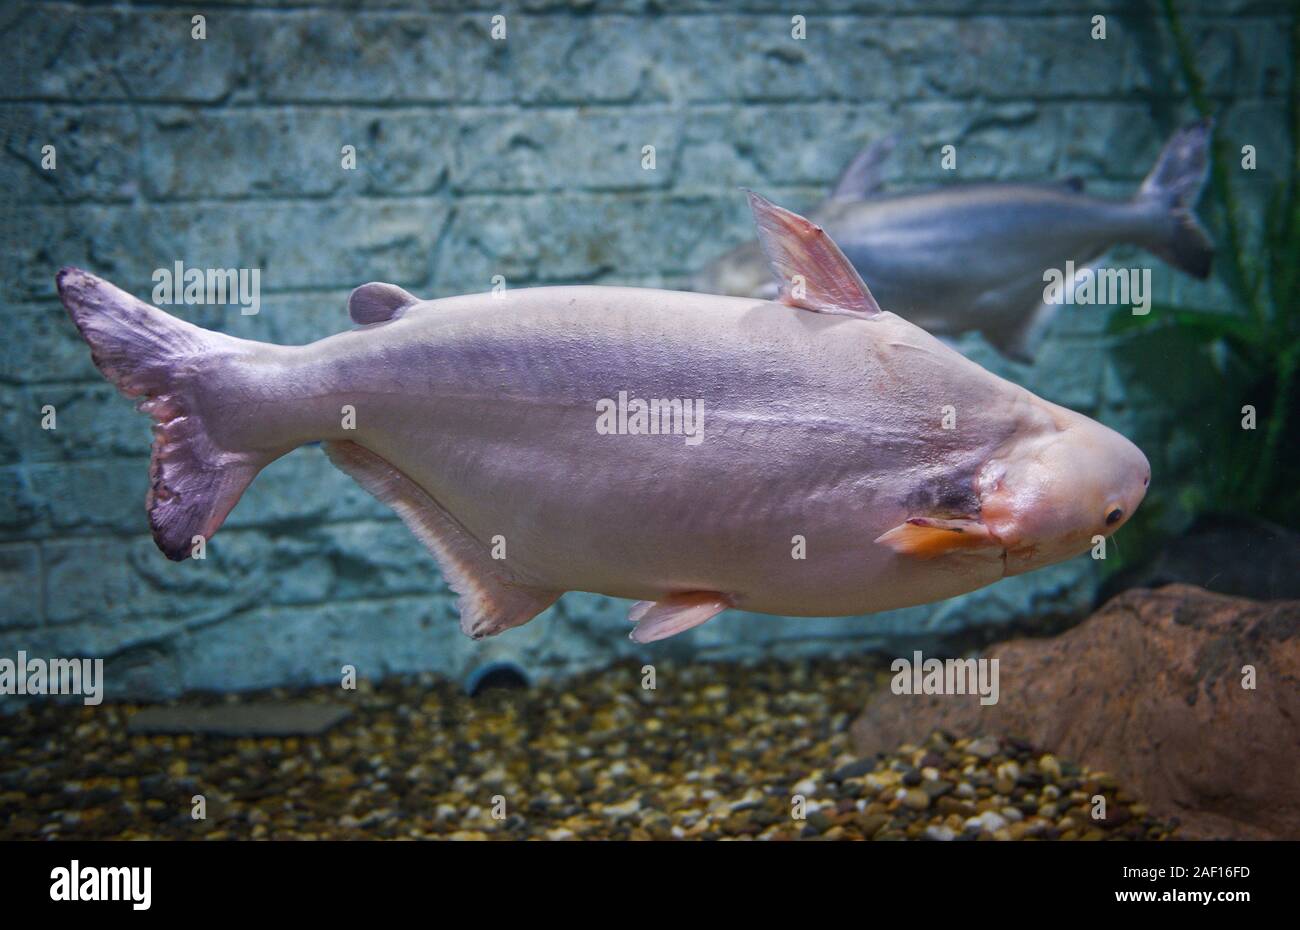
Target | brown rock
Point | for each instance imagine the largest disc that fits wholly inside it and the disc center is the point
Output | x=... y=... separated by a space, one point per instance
x=1149 y=689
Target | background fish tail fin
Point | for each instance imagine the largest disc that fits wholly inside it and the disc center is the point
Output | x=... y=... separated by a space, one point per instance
x=149 y=354
x=1173 y=187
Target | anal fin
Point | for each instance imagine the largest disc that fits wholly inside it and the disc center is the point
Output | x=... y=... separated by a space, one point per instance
x=674 y=614
x=490 y=600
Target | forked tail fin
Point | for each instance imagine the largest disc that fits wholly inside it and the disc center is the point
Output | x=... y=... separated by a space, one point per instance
x=146 y=353
x=1173 y=187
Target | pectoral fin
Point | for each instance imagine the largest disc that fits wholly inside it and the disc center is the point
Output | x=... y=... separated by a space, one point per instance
x=810 y=269
x=930 y=537
x=674 y=614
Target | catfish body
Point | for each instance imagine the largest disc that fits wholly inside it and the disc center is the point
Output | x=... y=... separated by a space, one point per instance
x=824 y=479
x=491 y=406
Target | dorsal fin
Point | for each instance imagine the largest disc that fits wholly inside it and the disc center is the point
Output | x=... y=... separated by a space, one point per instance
x=376 y=302
x=810 y=269
x=862 y=176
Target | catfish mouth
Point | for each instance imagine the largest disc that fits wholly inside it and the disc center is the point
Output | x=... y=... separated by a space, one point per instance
x=1003 y=516
x=1019 y=555
x=996 y=515
x=1019 y=560
x=1013 y=488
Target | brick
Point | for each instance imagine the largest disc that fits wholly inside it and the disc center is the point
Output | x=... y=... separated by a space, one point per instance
x=313 y=245
x=20 y=510
x=95 y=154
x=106 y=580
x=42 y=346
x=295 y=152
x=75 y=53
x=20 y=586
x=571 y=239
x=542 y=150
x=92 y=420
x=313 y=644
x=91 y=496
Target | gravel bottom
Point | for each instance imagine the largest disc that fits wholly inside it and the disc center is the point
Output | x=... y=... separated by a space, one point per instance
x=717 y=751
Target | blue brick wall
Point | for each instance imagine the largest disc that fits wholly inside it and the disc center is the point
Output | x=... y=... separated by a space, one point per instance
x=522 y=158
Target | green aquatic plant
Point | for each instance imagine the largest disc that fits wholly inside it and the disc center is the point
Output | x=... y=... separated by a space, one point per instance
x=1256 y=341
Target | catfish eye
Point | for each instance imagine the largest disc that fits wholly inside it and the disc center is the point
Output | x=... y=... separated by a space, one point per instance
x=1114 y=516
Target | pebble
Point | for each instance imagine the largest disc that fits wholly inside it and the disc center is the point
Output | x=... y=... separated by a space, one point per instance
x=871 y=824
x=819 y=821
x=989 y=822
x=936 y=788
x=853 y=770
x=807 y=787
x=916 y=799
x=626 y=809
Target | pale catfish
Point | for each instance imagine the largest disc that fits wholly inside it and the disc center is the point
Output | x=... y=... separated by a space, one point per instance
x=840 y=461
x=966 y=257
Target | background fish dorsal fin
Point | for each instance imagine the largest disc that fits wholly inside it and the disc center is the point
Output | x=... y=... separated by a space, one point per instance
x=863 y=176
x=376 y=302
x=810 y=269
